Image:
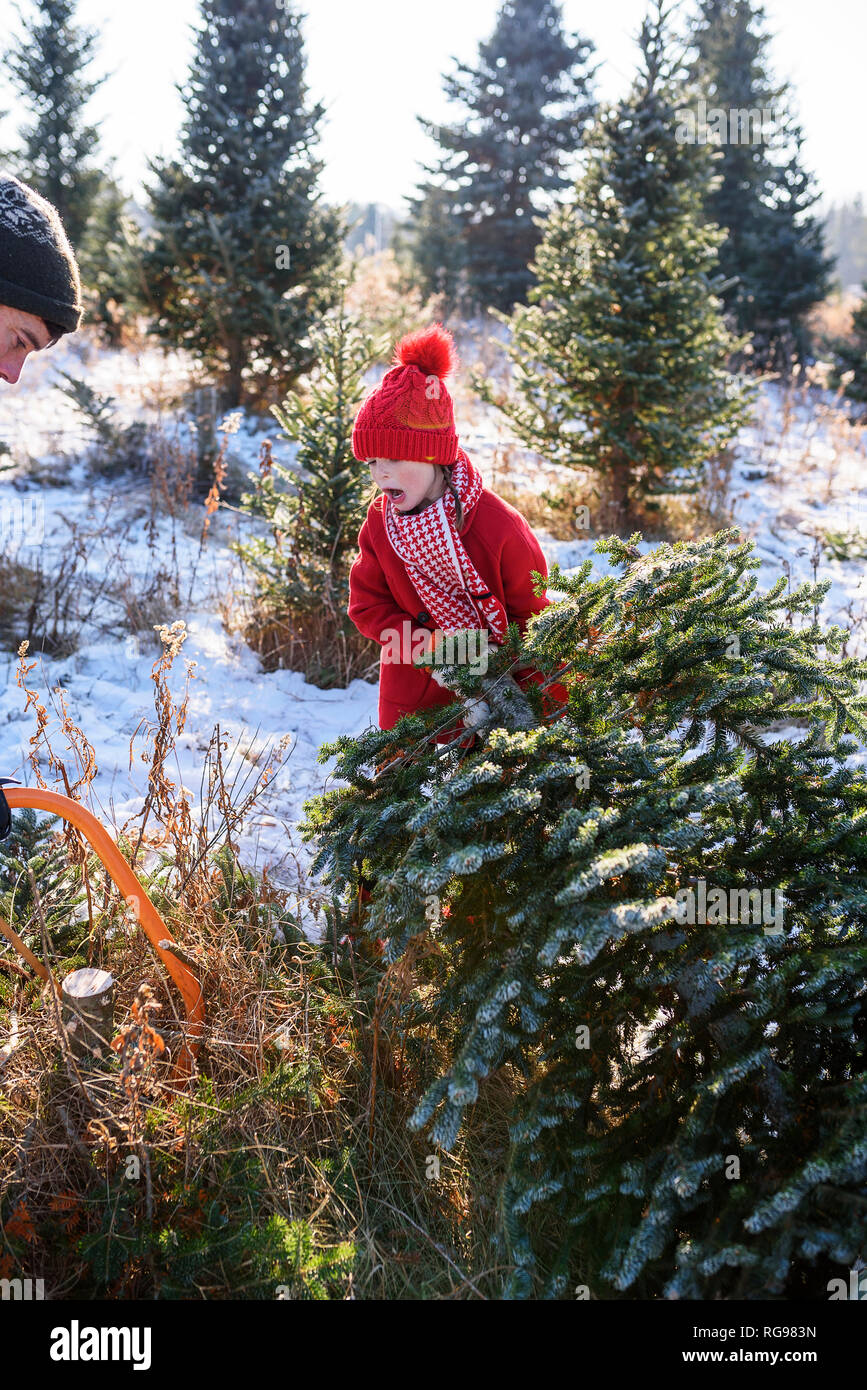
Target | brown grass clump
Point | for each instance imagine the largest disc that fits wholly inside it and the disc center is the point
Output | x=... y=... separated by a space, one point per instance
x=832 y=317
x=41 y=608
x=284 y=1168
x=322 y=645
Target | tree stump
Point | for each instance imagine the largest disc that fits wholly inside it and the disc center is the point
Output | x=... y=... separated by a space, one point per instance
x=88 y=1011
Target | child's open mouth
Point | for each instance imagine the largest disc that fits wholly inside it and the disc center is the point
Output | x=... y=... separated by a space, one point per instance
x=396 y=494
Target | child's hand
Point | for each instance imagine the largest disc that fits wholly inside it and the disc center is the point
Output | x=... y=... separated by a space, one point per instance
x=430 y=640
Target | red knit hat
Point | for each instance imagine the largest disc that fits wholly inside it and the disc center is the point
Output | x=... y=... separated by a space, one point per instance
x=409 y=415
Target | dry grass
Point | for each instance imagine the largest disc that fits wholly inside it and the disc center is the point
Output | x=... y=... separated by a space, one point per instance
x=380 y=299
x=44 y=609
x=561 y=508
x=832 y=318
x=281 y=1165
x=56 y=602
x=826 y=455
x=322 y=645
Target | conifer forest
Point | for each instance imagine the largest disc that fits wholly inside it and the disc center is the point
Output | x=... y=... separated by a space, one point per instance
x=433 y=798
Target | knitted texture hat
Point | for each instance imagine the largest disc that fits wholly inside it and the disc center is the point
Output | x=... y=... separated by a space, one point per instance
x=410 y=415
x=38 y=272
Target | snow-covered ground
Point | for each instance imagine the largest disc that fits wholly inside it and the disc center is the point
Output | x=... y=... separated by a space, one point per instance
x=813 y=477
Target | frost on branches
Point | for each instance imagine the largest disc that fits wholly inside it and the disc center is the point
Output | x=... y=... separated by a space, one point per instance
x=688 y=1070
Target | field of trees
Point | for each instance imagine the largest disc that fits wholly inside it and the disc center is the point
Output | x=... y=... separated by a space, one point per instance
x=456 y=1034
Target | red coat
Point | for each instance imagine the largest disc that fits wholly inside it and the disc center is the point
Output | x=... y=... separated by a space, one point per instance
x=503 y=549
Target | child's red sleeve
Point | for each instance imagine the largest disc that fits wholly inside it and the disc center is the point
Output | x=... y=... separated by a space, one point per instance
x=372 y=607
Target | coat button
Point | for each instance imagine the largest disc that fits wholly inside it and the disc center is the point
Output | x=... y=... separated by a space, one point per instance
x=422 y=617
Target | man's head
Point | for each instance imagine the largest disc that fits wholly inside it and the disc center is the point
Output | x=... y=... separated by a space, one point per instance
x=40 y=289
x=20 y=334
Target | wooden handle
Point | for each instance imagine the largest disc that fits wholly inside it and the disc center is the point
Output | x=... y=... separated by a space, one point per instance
x=15 y=940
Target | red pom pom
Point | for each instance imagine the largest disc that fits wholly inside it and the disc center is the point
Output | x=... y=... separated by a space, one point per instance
x=430 y=349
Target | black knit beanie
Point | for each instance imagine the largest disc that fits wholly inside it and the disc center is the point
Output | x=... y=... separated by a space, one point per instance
x=38 y=272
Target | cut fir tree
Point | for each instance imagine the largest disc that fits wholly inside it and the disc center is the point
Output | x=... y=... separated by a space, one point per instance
x=689 y=1081
x=619 y=361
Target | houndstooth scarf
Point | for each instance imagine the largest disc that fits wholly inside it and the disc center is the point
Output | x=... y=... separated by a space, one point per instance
x=437 y=564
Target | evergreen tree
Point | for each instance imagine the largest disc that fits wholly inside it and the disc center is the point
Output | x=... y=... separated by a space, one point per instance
x=48 y=66
x=619 y=360
x=689 y=1081
x=850 y=358
x=773 y=253
x=315 y=509
x=36 y=842
x=109 y=255
x=428 y=245
x=242 y=255
x=527 y=105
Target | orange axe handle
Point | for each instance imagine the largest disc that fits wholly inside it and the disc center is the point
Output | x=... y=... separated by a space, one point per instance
x=136 y=899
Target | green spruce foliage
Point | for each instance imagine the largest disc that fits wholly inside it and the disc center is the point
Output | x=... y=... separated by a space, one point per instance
x=619 y=360
x=110 y=260
x=48 y=66
x=243 y=252
x=314 y=509
x=689 y=1085
x=526 y=104
x=429 y=250
x=33 y=844
x=773 y=255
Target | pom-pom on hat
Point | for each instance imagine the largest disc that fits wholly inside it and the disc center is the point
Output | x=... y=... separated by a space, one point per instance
x=409 y=415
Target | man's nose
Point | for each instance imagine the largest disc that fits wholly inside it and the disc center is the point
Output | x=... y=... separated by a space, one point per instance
x=10 y=371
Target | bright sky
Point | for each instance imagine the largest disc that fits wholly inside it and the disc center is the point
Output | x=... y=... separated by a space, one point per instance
x=376 y=64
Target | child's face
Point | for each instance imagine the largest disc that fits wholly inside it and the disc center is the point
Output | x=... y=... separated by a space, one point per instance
x=407 y=482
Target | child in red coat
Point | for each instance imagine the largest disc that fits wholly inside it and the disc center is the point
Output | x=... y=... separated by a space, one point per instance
x=439 y=552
